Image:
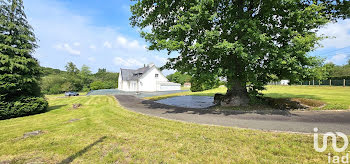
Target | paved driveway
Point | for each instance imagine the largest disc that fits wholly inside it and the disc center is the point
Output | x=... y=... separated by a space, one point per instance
x=292 y=121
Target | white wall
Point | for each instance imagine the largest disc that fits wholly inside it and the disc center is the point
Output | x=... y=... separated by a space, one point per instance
x=120 y=82
x=169 y=87
x=148 y=81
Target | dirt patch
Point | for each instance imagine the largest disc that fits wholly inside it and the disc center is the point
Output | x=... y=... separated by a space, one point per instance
x=73 y=120
x=309 y=102
x=33 y=133
x=294 y=103
x=5 y=162
x=75 y=106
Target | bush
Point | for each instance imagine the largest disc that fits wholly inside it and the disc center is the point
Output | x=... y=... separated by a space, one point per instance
x=86 y=89
x=97 y=85
x=196 y=86
x=56 y=89
x=22 y=107
x=110 y=85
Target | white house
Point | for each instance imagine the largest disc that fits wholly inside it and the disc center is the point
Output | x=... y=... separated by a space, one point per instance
x=147 y=78
x=285 y=82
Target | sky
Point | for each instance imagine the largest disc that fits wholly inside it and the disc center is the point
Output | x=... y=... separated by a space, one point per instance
x=99 y=35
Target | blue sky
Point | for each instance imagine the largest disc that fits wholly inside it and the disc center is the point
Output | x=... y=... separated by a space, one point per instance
x=98 y=34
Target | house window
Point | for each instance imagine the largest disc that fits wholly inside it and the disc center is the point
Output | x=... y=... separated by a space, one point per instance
x=156 y=75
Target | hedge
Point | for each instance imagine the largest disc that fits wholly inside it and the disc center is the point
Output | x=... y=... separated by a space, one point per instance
x=22 y=107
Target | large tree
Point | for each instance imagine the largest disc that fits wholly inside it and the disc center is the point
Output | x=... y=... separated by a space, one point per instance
x=19 y=71
x=245 y=41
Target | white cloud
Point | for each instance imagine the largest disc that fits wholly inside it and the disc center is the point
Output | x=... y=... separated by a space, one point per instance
x=125 y=43
x=93 y=47
x=66 y=47
x=339 y=34
x=54 y=22
x=161 y=59
x=107 y=44
x=76 y=44
x=130 y=62
x=91 y=59
x=338 y=59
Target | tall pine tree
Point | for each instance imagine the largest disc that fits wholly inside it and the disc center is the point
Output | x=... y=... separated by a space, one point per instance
x=19 y=71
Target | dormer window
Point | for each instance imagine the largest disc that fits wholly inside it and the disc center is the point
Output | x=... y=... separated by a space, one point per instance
x=156 y=75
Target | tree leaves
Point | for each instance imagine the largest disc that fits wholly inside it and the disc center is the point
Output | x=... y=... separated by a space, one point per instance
x=246 y=40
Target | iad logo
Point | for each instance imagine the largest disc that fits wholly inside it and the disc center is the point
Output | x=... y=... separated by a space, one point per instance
x=334 y=159
x=334 y=141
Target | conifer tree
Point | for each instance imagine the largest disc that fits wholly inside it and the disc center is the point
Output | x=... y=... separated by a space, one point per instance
x=19 y=70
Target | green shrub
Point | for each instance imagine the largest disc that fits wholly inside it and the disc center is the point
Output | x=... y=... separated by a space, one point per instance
x=56 y=89
x=86 y=89
x=110 y=85
x=97 y=85
x=201 y=84
x=22 y=107
x=196 y=85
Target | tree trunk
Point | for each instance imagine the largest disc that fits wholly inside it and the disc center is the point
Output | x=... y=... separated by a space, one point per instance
x=237 y=94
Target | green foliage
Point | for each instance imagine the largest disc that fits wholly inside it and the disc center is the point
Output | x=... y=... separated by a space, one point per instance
x=52 y=84
x=201 y=83
x=23 y=107
x=71 y=68
x=97 y=85
x=178 y=77
x=243 y=41
x=102 y=85
x=339 y=71
x=50 y=71
x=74 y=79
x=196 y=85
x=19 y=72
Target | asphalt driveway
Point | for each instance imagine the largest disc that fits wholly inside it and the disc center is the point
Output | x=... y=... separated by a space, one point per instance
x=291 y=121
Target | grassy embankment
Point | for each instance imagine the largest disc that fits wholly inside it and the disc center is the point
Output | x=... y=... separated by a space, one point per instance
x=106 y=133
x=333 y=97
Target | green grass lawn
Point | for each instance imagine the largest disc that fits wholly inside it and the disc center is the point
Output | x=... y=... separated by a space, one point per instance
x=107 y=133
x=334 y=97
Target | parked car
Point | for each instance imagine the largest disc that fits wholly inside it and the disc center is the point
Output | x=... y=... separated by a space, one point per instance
x=71 y=94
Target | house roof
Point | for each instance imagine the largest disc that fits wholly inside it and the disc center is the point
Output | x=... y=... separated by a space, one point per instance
x=133 y=75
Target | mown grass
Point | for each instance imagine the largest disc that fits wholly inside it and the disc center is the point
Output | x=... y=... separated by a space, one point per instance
x=61 y=95
x=107 y=133
x=334 y=97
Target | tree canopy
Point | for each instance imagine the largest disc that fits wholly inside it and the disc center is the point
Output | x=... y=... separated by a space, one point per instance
x=245 y=41
x=19 y=71
x=75 y=79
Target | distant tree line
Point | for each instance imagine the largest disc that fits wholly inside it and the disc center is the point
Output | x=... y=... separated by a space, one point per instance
x=73 y=79
x=178 y=77
x=198 y=84
x=330 y=71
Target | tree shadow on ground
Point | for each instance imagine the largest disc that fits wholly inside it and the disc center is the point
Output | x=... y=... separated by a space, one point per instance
x=50 y=108
x=288 y=95
x=81 y=152
x=174 y=109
